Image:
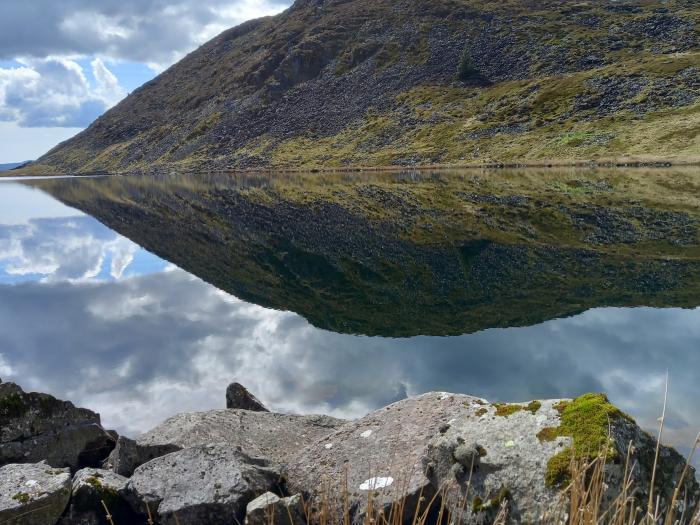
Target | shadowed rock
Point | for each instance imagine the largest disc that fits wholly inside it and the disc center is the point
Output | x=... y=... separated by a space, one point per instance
x=207 y=485
x=90 y=488
x=33 y=494
x=270 y=508
x=274 y=436
x=238 y=396
x=36 y=427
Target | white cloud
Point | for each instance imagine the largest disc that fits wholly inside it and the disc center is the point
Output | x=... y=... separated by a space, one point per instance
x=55 y=92
x=147 y=31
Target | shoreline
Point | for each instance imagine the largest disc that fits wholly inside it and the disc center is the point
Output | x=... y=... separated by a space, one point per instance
x=632 y=162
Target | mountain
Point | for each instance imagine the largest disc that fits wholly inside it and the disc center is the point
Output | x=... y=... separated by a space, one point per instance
x=402 y=82
x=417 y=254
x=11 y=166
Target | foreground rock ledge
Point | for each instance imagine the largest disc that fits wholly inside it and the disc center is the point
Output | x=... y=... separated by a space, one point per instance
x=227 y=466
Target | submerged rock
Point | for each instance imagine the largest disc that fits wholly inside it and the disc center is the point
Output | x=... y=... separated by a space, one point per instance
x=36 y=427
x=274 y=436
x=238 y=396
x=205 y=485
x=33 y=494
x=270 y=508
x=91 y=488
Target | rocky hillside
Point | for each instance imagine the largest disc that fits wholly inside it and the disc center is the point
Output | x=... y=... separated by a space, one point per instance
x=404 y=82
x=420 y=254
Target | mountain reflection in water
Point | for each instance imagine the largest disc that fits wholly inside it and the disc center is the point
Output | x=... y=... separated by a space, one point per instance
x=542 y=270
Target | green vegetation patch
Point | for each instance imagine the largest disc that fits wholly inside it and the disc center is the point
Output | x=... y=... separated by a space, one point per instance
x=22 y=497
x=479 y=505
x=12 y=406
x=533 y=407
x=586 y=421
x=505 y=410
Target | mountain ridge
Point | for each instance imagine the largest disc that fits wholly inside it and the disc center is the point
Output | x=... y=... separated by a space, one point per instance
x=337 y=83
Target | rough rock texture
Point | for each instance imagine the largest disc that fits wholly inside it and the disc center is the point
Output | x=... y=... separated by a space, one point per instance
x=270 y=508
x=505 y=459
x=90 y=488
x=36 y=427
x=383 y=453
x=517 y=455
x=33 y=494
x=274 y=436
x=238 y=396
x=207 y=485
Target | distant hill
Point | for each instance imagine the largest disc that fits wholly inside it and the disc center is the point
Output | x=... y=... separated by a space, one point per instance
x=11 y=166
x=404 y=82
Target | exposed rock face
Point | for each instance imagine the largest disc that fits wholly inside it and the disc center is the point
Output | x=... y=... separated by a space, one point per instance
x=517 y=455
x=238 y=396
x=505 y=455
x=270 y=508
x=382 y=452
x=36 y=427
x=90 y=488
x=205 y=485
x=33 y=494
x=274 y=436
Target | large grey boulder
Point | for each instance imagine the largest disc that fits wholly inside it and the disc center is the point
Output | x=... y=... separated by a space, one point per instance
x=207 y=485
x=91 y=488
x=238 y=396
x=518 y=455
x=476 y=457
x=270 y=508
x=274 y=436
x=33 y=494
x=379 y=455
x=36 y=427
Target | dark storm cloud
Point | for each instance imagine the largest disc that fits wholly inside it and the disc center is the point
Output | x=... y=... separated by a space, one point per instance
x=152 y=31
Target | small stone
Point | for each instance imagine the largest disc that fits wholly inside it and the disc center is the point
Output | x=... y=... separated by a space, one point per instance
x=238 y=396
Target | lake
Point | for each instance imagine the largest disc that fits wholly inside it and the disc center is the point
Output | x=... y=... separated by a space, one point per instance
x=339 y=293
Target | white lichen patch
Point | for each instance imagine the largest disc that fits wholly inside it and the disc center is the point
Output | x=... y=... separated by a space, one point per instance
x=31 y=483
x=443 y=395
x=510 y=444
x=366 y=434
x=328 y=446
x=377 y=483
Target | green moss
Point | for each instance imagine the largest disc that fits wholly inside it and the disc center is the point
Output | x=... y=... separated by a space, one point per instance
x=533 y=407
x=480 y=412
x=586 y=421
x=505 y=410
x=94 y=481
x=479 y=505
x=22 y=497
x=13 y=406
x=548 y=434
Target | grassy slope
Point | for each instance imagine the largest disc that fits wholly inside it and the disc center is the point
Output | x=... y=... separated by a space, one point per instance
x=368 y=82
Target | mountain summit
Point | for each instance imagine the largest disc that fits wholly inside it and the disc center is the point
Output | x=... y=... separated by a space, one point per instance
x=404 y=82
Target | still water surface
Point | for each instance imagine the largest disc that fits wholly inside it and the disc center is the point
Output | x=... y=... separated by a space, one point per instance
x=89 y=315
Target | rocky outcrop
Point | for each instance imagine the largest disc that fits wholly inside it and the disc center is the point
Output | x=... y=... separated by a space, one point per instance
x=476 y=457
x=33 y=494
x=380 y=454
x=274 y=436
x=38 y=427
x=210 y=484
x=94 y=494
x=454 y=452
x=238 y=396
x=270 y=508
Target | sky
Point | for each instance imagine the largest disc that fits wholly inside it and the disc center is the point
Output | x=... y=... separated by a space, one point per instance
x=63 y=64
